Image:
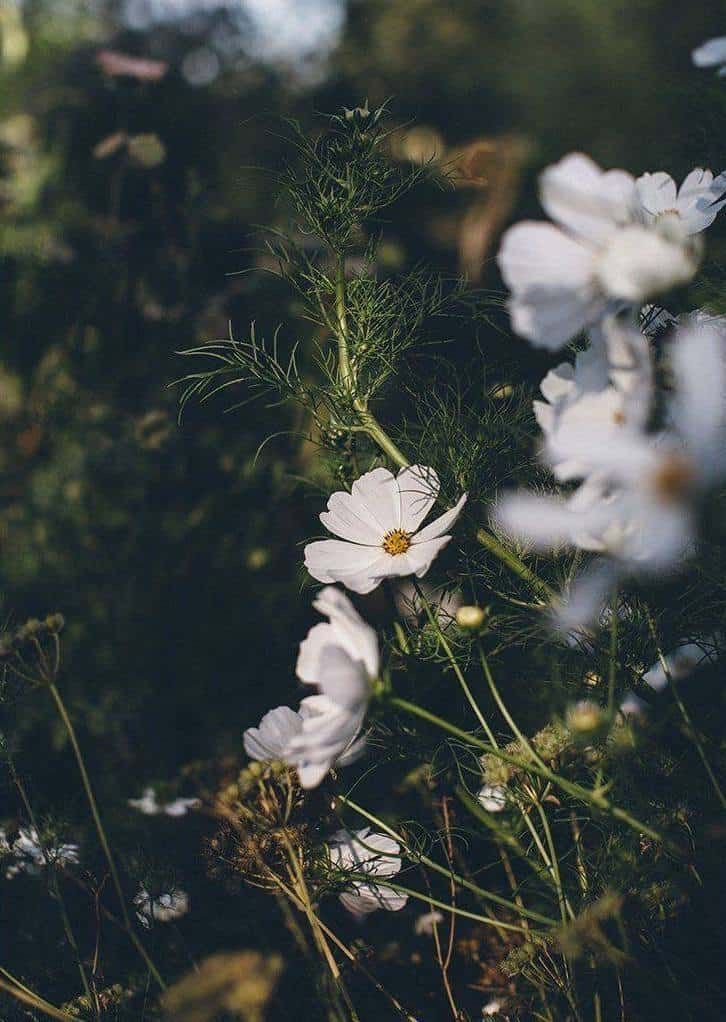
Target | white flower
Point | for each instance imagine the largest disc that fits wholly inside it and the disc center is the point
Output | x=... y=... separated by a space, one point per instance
x=565 y=278
x=712 y=53
x=425 y=924
x=372 y=854
x=160 y=908
x=493 y=1007
x=269 y=741
x=493 y=798
x=149 y=805
x=639 y=503
x=339 y=656
x=695 y=204
x=608 y=390
x=379 y=528
x=32 y=856
x=681 y=662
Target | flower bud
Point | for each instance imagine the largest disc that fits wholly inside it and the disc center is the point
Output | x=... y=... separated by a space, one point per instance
x=585 y=718
x=470 y=618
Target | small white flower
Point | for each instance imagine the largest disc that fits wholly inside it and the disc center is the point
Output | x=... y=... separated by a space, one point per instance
x=712 y=53
x=597 y=259
x=425 y=924
x=31 y=856
x=493 y=1007
x=493 y=798
x=681 y=662
x=371 y=854
x=160 y=908
x=340 y=657
x=695 y=204
x=378 y=523
x=149 y=805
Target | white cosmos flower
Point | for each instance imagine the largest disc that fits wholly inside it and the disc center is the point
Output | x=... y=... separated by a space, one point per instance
x=340 y=657
x=695 y=204
x=160 y=908
x=608 y=390
x=712 y=53
x=149 y=805
x=269 y=741
x=371 y=854
x=493 y=798
x=425 y=924
x=379 y=525
x=639 y=500
x=32 y=856
x=596 y=257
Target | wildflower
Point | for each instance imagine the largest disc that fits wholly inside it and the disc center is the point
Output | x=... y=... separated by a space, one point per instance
x=681 y=662
x=150 y=806
x=160 y=908
x=425 y=924
x=493 y=798
x=639 y=503
x=32 y=856
x=379 y=528
x=340 y=656
x=695 y=204
x=597 y=258
x=372 y=854
x=117 y=64
x=712 y=53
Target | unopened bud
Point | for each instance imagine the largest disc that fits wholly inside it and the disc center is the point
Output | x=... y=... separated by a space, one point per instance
x=585 y=718
x=470 y=618
x=55 y=622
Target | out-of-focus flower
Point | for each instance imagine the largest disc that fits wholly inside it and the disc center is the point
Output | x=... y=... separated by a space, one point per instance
x=643 y=489
x=149 y=805
x=493 y=1007
x=470 y=618
x=444 y=604
x=339 y=656
x=585 y=719
x=375 y=855
x=117 y=64
x=379 y=528
x=493 y=798
x=148 y=151
x=598 y=258
x=684 y=660
x=712 y=53
x=695 y=204
x=109 y=145
x=160 y=908
x=31 y=856
x=425 y=923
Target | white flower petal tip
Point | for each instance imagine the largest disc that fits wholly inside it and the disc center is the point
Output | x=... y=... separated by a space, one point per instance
x=270 y=740
x=426 y=923
x=361 y=855
x=378 y=525
x=712 y=53
x=493 y=798
x=148 y=805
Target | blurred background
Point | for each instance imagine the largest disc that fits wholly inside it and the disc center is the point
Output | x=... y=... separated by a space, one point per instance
x=140 y=144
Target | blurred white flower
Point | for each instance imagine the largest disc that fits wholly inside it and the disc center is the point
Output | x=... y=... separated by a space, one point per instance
x=375 y=855
x=379 y=528
x=597 y=259
x=339 y=656
x=493 y=1007
x=681 y=662
x=31 y=856
x=424 y=924
x=493 y=798
x=149 y=805
x=639 y=502
x=443 y=603
x=160 y=908
x=271 y=738
x=712 y=53
x=695 y=204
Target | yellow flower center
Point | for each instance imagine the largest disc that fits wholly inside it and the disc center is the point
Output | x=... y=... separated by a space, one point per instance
x=396 y=542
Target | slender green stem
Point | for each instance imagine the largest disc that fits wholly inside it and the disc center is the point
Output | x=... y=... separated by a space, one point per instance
x=341 y=316
x=21 y=993
x=518 y=733
x=496 y=899
x=91 y=798
x=692 y=732
x=613 y=665
x=454 y=663
x=515 y=564
x=593 y=798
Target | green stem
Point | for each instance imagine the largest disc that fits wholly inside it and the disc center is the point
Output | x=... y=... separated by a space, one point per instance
x=515 y=564
x=438 y=868
x=346 y=373
x=91 y=798
x=592 y=798
x=21 y=993
x=613 y=665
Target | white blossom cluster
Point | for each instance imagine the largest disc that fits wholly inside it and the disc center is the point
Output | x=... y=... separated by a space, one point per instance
x=616 y=243
x=31 y=856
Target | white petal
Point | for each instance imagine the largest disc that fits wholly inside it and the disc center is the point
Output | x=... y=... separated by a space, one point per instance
x=333 y=560
x=348 y=518
x=712 y=52
x=549 y=318
x=343 y=679
x=698 y=357
x=352 y=632
x=421 y=556
x=441 y=524
x=419 y=488
x=656 y=194
x=378 y=492
x=583 y=198
x=588 y=595
x=540 y=255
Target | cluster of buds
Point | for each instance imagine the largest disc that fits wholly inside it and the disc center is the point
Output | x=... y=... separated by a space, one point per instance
x=34 y=630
